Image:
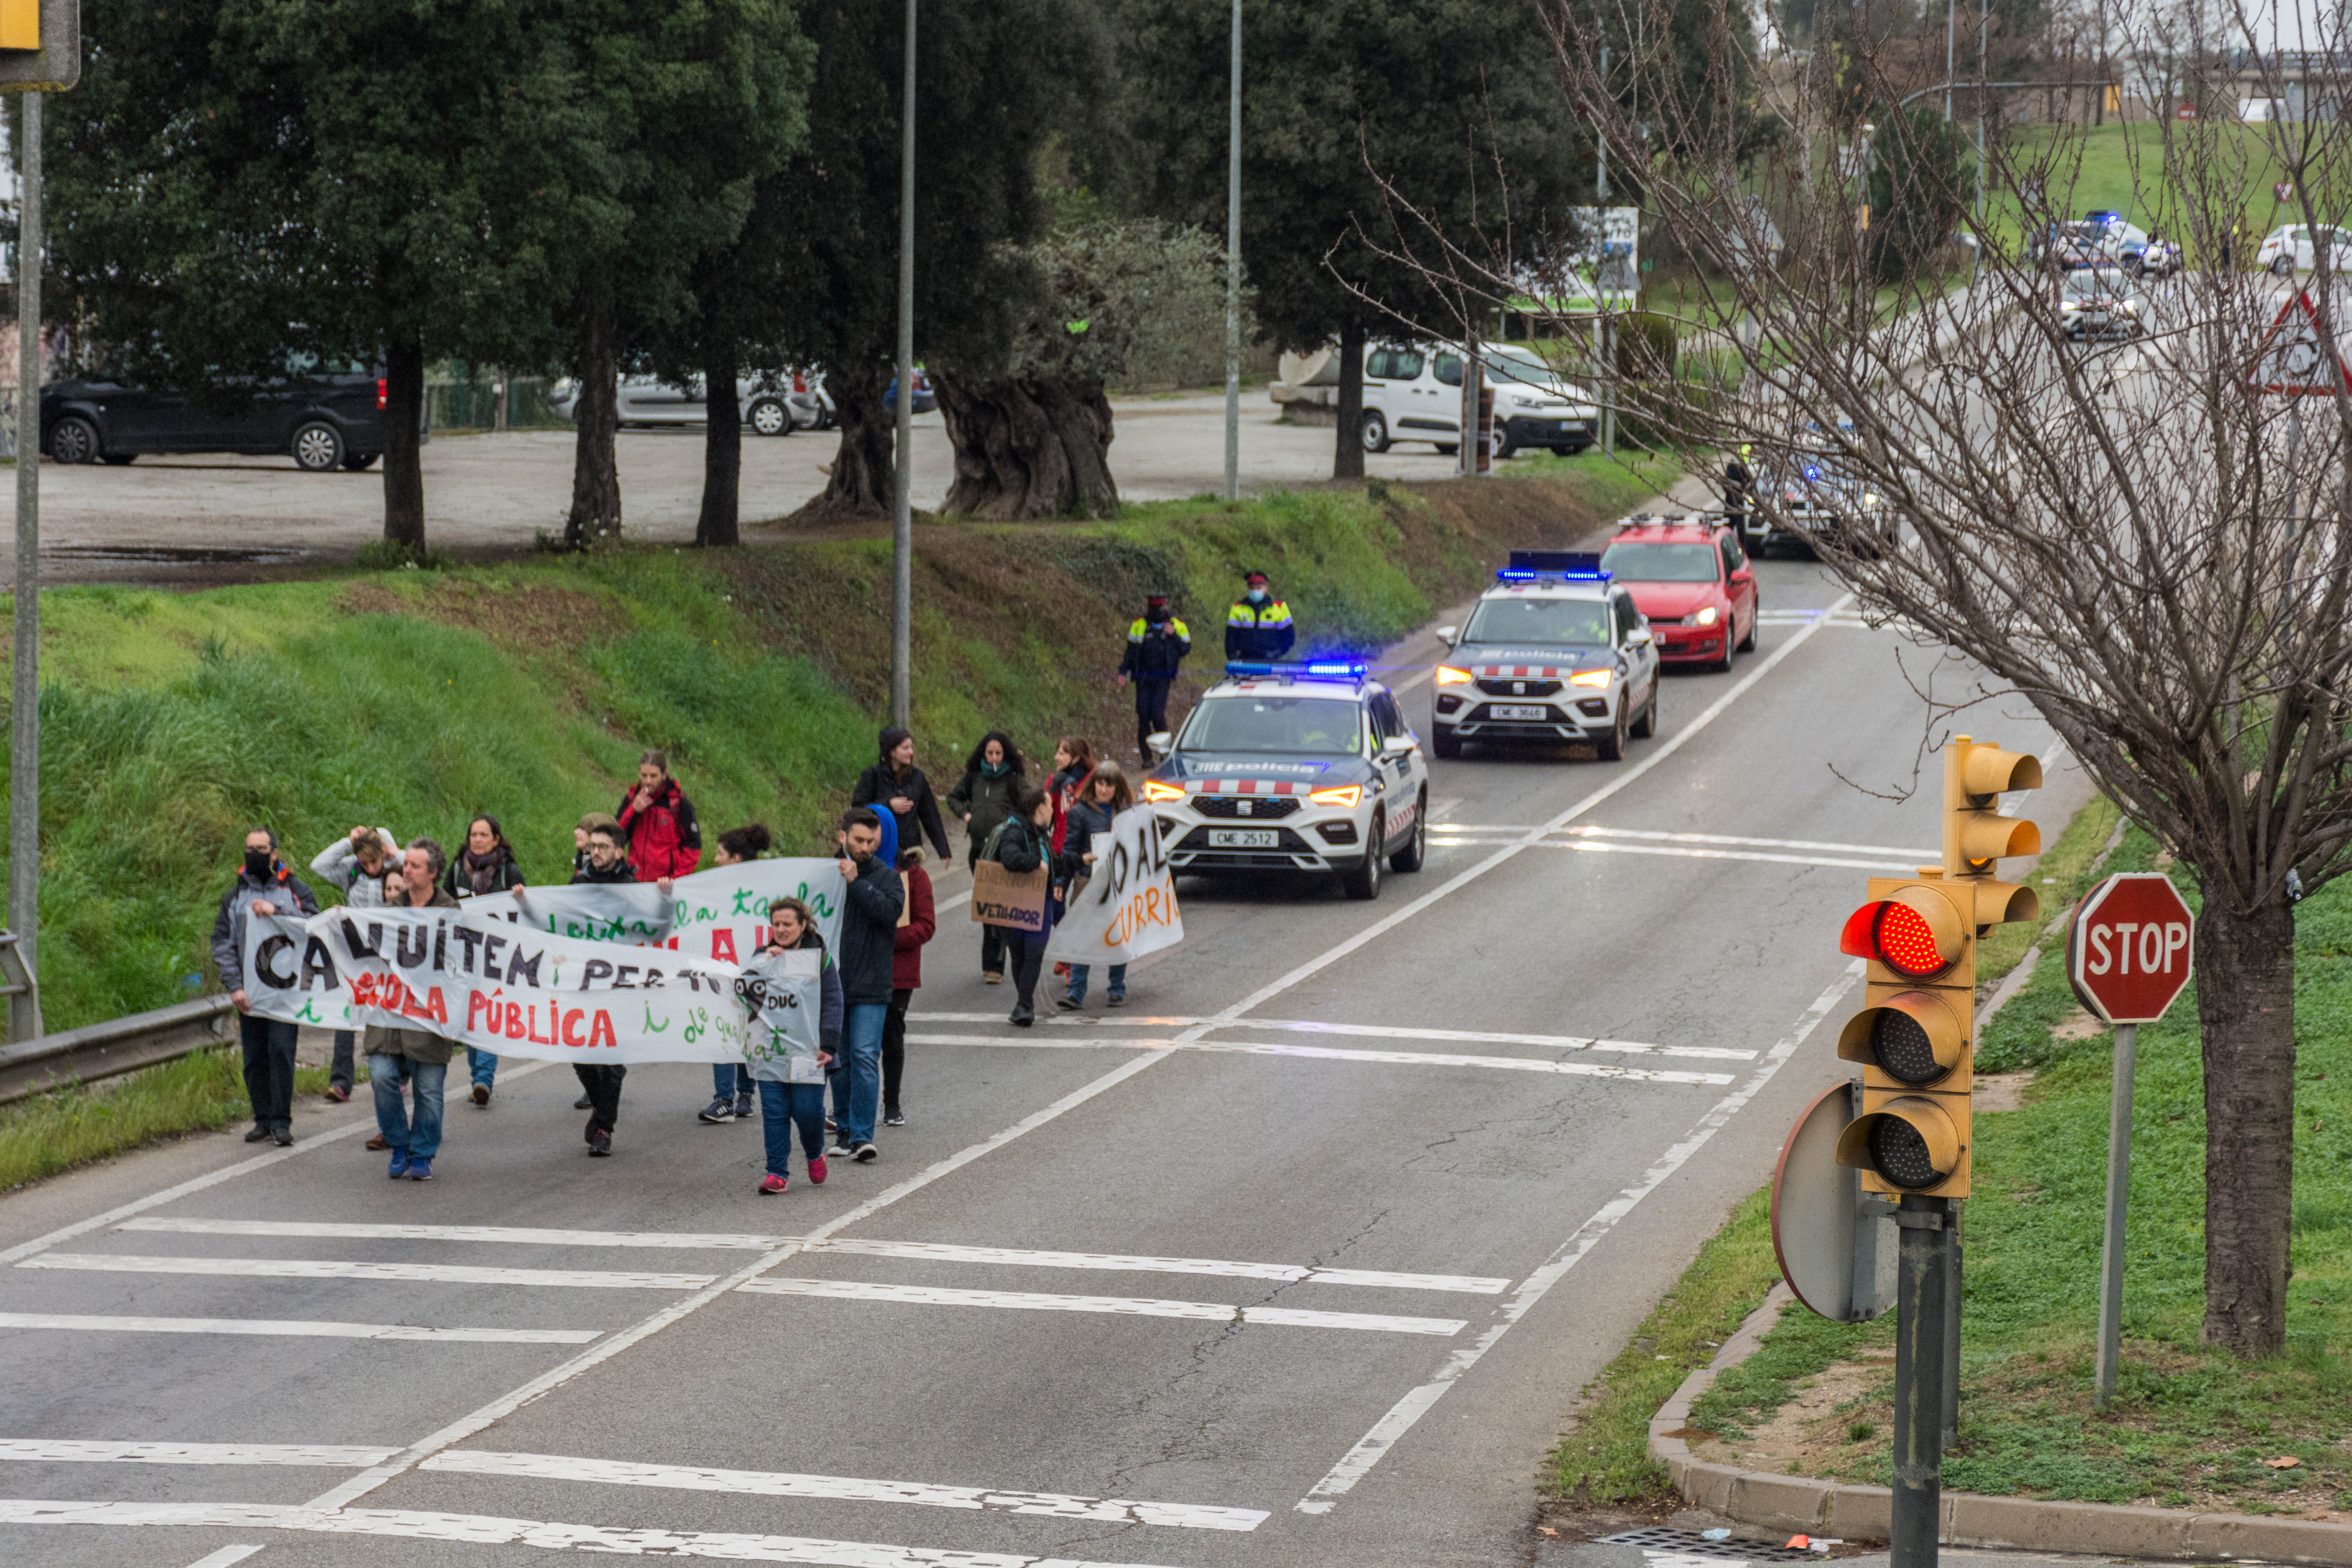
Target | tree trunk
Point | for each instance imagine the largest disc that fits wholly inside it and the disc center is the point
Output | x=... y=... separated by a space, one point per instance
x=1348 y=451
x=2245 y=1010
x=1028 y=448
x=722 y=446
x=595 y=516
x=403 y=454
x=861 y=481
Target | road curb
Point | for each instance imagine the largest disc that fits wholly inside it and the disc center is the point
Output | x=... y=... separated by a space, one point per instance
x=1799 y=1504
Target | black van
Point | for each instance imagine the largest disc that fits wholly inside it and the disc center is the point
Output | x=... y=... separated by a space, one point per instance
x=324 y=418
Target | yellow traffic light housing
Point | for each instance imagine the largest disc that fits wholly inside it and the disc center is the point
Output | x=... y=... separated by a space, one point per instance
x=1910 y=1040
x=1914 y=1034
x=1976 y=835
x=1910 y=1143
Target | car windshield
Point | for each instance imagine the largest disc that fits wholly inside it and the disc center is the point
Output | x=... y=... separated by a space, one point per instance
x=1567 y=623
x=1503 y=364
x=1315 y=726
x=1651 y=561
x=2085 y=285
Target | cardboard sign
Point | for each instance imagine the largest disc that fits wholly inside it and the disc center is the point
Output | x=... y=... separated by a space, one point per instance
x=1000 y=898
x=1127 y=906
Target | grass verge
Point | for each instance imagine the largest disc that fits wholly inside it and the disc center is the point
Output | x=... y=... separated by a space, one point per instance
x=53 y=1133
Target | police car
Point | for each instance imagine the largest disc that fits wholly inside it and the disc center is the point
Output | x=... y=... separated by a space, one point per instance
x=1554 y=653
x=1293 y=767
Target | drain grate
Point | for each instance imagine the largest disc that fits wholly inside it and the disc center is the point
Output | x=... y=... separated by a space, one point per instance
x=1691 y=1543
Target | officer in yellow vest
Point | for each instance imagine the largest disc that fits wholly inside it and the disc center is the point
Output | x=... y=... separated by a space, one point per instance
x=1258 y=628
x=1156 y=645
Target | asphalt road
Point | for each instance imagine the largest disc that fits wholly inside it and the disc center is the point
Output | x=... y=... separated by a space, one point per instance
x=1533 y=1076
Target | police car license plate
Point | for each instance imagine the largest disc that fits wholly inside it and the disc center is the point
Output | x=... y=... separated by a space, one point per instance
x=1520 y=710
x=1243 y=838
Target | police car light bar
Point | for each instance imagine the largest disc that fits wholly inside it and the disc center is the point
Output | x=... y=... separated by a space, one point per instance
x=1571 y=565
x=1313 y=669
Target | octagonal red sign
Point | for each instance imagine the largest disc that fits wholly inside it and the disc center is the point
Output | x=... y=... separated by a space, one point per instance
x=2127 y=949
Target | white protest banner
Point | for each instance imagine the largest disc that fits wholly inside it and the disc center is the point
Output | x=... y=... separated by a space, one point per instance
x=721 y=914
x=782 y=994
x=485 y=982
x=1127 y=907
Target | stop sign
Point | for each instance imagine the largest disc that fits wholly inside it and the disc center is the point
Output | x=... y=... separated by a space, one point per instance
x=2127 y=949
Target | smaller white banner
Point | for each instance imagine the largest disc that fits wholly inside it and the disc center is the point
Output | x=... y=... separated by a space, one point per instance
x=1127 y=907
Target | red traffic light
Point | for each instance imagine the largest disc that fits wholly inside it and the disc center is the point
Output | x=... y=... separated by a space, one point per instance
x=1916 y=933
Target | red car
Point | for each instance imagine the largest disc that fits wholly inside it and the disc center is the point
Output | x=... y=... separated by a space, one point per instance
x=1692 y=581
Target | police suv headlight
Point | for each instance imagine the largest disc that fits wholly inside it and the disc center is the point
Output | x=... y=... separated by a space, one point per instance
x=1343 y=796
x=1597 y=679
x=1155 y=789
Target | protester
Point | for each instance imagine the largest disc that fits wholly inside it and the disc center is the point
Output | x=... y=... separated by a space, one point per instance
x=1106 y=795
x=896 y=784
x=1258 y=628
x=606 y=858
x=356 y=865
x=869 y=924
x=1073 y=764
x=403 y=1056
x=1021 y=844
x=983 y=798
x=784 y=1105
x=665 y=840
x=906 y=977
x=487 y=865
x=1156 y=646
x=602 y=1083
x=263 y=886
x=731 y=1082
x=588 y=825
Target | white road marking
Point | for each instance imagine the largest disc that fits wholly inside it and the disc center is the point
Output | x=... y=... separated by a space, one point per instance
x=1122 y=1306
x=548 y=1382
x=1361 y=1031
x=1332 y=1053
x=312 y=1454
x=1390 y=1428
x=479 y=1530
x=365 y=1124
x=225 y=1557
x=321 y=1269
x=953 y=901
x=1654 y=836
x=766 y=1483
x=1689 y=853
x=941 y=1251
x=297 y=1328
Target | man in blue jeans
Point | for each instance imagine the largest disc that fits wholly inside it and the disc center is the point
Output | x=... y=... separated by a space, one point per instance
x=869 y=930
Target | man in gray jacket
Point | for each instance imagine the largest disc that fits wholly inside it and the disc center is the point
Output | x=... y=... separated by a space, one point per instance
x=263 y=886
x=356 y=865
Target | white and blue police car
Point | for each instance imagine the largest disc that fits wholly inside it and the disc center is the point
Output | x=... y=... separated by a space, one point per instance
x=1307 y=766
x=1554 y=654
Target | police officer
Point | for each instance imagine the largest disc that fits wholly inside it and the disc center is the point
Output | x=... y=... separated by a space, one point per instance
x=1156 y=645
x=1258 y=628
x=1736 y=481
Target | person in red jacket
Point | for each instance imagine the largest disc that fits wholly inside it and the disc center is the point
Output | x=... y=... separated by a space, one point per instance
x=664 y=839
x=906 y=975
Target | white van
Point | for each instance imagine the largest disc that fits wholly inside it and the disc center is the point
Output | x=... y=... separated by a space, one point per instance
x=1412 y=392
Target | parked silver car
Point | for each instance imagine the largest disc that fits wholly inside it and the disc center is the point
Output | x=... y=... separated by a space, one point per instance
x=766 y=404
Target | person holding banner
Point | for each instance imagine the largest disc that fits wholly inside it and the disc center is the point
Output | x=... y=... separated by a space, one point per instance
x=869 y=927
x=791 y=1082
x=1023 y=844
x=487 y=865
x=1106 y=794
x=263 y=886
x=731 y=1088
x=356 y=865
x=602 y=1083
x=416 y=1058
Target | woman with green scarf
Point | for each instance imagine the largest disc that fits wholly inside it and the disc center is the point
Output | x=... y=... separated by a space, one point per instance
x=983 y=798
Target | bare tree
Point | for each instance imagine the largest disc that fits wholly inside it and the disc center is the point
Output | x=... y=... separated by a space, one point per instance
x=2090 y=488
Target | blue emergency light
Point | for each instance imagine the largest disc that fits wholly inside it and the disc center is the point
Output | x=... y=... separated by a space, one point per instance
x=1559 y=566
x=1812 y=473
x=1312 y=670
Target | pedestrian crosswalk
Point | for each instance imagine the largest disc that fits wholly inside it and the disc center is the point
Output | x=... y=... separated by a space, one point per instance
x=1120 y=1306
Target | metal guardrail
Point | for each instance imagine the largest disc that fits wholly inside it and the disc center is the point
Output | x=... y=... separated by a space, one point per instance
x=116 y=1046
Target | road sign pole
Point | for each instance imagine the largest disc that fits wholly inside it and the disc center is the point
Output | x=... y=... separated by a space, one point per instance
x=2111 y=1261
x=24 y=727
x=1950 y=1427
x=1920 y=1294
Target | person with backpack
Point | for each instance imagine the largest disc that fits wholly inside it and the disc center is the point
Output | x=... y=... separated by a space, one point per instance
x=1022 y=844
x=664 y=839
x=896 y=786
x=1106 y=794
x=983 y=799
x=785 y=1105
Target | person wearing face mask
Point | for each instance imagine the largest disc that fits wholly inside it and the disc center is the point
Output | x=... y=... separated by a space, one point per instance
x=664 y=839
x=487 y=865
x=1156 y=645
x=263 y=886
x=1258 y=628
x=983 y=798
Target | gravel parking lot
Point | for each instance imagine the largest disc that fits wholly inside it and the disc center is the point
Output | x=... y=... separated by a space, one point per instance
x=203 y=519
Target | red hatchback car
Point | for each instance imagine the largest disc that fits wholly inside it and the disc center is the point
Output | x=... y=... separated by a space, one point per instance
x=1692 y=581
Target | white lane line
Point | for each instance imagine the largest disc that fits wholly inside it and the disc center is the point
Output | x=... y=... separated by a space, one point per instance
x=1686 y=853
x=768 y=1483
x=478 y=1530
x=321 y=1269
x=1619 y=781
x=939 y=1251
x=1358 y=1031
x=1333 y=1053
x=954 y=901
x=1655 y=836
x=1117 y=1262
x=25 y=1249
x=515 y=1399
x=292 y=1328
x=77 y=1452
x=1120 y=1306
x=225 y=1557
x=1390 y=1428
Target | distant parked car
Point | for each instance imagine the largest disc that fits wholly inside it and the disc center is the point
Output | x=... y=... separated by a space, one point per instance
x=2295 y=248
x=323 y=416
x=763 y=403
x=925 y=398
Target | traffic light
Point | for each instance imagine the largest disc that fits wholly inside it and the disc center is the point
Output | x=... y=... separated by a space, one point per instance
x=1914 y=1036
x=1975 y=776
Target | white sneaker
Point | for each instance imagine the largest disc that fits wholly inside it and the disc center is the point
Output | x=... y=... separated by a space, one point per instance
x=840 y=1151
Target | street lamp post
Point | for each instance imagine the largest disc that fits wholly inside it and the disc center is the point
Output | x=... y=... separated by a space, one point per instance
x=1233 y=274
x=902 y=530
x=25 y=719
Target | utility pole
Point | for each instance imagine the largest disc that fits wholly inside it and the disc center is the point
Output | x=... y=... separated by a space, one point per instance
x=1976 y=264
x=902 y=529
x=1922 y=1297
x=1952 y=8
x=24 y=717
x=1608 y=323
x=1234 y=277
